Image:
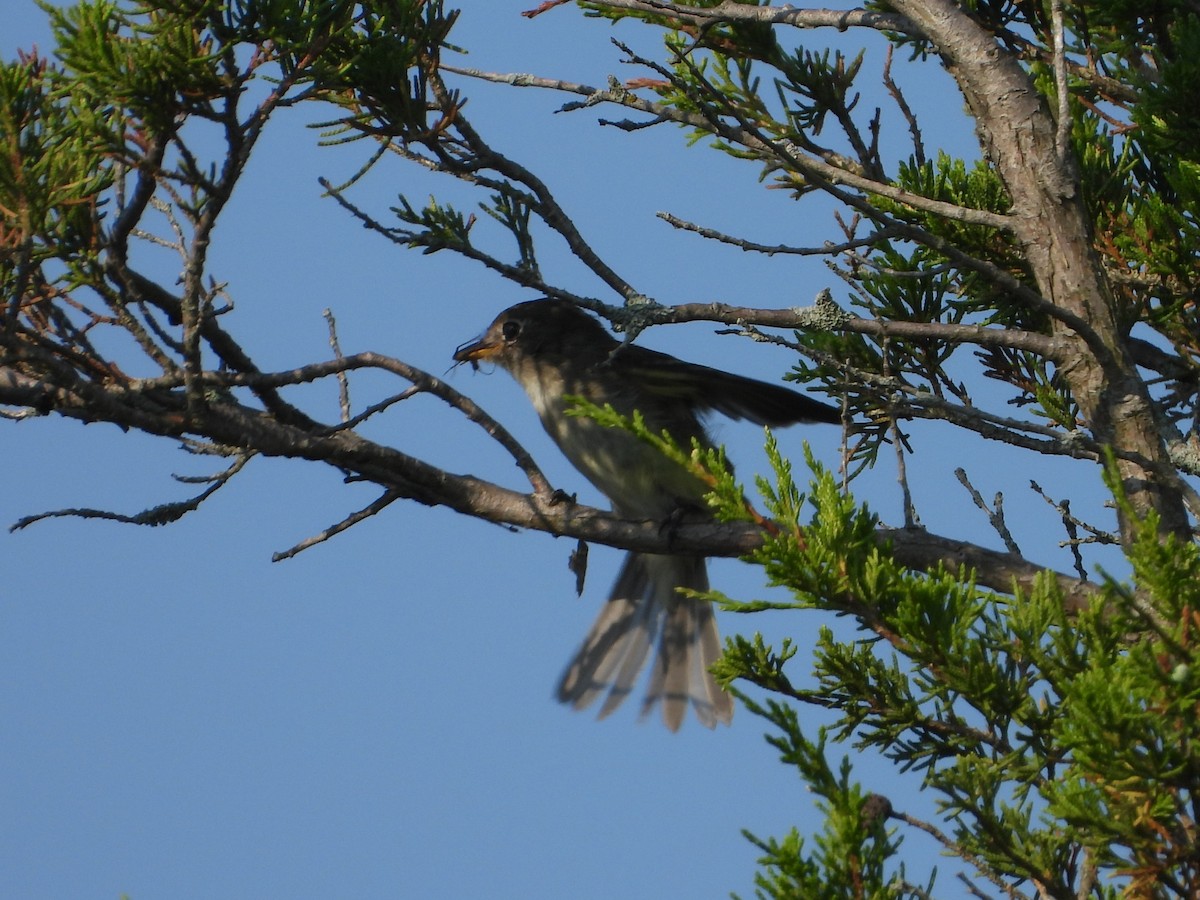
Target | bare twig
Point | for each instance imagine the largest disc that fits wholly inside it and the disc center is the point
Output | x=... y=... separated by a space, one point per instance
x=829 y=249
x=405 y=237
x=995 y=513
x=343 y=382
x=900 y=445
x=954 y=848
x=162 y=514
x=366 y=512
x=545 y=6
x=794 y=317
x=545 y=203
x=1072 y=524
x=911 y=519
x=375 y=409
x=914 y=129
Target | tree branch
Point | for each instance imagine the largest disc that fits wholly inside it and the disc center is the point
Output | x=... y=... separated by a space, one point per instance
x=803 y=162
x=827 y=249
x=235 y=425
x=1053 y=227
x=547 y=206
x=801 y=318
x=841 y=19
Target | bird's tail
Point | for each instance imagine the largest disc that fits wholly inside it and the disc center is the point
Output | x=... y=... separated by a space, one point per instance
x=645 y=607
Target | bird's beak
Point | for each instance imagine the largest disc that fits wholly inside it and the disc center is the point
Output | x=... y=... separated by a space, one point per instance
x=482 y=349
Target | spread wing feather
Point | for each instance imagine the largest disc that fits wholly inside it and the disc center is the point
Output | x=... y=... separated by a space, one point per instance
x=711 y=389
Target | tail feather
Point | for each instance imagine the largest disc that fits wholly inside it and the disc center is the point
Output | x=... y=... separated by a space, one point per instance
x=622 y=674
x=719 y=707
x=616 y=647
x=645 y=606
x=720 y=701
x=638 y=648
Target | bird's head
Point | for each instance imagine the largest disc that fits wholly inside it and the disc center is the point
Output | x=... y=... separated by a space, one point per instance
x=549 y=331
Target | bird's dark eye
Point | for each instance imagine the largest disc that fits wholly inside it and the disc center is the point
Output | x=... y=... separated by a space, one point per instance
x=510 y=330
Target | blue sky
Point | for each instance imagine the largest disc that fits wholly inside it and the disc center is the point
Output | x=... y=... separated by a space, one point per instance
x=184 y=718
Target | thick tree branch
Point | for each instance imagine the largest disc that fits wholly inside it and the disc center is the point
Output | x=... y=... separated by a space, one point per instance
x=1052 y=224
x=421 y=381
x=401 y=475
x=841 y=19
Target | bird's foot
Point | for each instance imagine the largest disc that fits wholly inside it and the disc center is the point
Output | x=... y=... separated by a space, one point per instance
x=682 y=514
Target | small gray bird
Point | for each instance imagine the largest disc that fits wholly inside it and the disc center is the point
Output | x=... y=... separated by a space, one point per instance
x=554 y=350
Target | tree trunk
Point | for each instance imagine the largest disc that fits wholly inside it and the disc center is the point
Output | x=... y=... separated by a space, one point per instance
x=1051 y=222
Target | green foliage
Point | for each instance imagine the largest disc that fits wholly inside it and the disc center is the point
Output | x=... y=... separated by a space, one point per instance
x=922 y=284
x=440 y=226
x=154 y=65
x=52 y=168
x=513 y=210
x=371 y=67
x=812 y=85
x=707 y=464
x=853 y=848
x=974 y=186
x=1064 y=750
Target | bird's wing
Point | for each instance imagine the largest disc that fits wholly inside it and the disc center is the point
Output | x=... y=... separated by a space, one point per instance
x=711 y=389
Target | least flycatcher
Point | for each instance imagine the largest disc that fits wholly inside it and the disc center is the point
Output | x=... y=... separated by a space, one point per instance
x=555 y=351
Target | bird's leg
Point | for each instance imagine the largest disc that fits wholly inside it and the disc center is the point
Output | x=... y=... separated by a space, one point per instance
x=561 y=496
x=684 y=511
